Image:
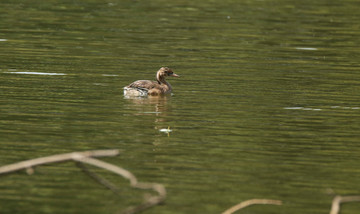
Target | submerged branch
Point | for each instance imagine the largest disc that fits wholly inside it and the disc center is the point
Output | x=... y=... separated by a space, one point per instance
x=249 y=203
x=149 y=202
x=99 y=179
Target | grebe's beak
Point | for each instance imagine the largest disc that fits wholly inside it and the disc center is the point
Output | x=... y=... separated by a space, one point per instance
x=174 y=75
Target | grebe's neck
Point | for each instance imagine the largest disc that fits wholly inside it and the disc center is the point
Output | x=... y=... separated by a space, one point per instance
x=161 y=78
x=162 y=81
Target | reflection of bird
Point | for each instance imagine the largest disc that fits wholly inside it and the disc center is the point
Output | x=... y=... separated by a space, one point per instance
x=153 y=88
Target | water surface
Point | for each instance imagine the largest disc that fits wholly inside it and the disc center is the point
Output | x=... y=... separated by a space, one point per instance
x=267 y=105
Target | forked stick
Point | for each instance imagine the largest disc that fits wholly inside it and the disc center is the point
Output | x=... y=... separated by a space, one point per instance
x=149 y=202
x=86 y=157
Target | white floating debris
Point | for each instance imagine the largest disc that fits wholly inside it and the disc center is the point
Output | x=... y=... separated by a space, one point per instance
x=35 y=73
x=3 y=40
x=305 y=48
x=166 y=130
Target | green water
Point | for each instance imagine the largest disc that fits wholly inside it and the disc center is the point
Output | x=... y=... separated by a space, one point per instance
x=267 y=105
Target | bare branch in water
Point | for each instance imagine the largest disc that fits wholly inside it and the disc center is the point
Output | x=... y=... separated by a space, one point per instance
x=28 y=164
x=86 y=157
x=149 y=202
x=249 y=203
x=335 y=207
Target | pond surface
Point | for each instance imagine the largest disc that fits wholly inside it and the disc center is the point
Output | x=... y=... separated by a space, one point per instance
x=267 y=105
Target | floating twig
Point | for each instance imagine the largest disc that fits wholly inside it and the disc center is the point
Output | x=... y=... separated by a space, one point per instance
x=249 y=203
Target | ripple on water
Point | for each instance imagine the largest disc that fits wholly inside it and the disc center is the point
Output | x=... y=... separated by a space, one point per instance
x=306 y=48
x=35 y=73
x=319 y=109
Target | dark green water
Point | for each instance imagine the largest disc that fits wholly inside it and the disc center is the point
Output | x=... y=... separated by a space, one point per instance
x=267 y=105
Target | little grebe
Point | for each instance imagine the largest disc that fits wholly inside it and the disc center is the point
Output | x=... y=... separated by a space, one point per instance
x=153 y=88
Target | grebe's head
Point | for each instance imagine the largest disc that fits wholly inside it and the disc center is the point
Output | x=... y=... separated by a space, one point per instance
x=166 y=72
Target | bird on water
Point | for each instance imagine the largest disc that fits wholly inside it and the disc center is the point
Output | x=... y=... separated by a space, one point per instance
x=151 y=88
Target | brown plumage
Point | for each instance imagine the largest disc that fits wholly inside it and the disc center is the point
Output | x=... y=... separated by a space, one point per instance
x=152 y=88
